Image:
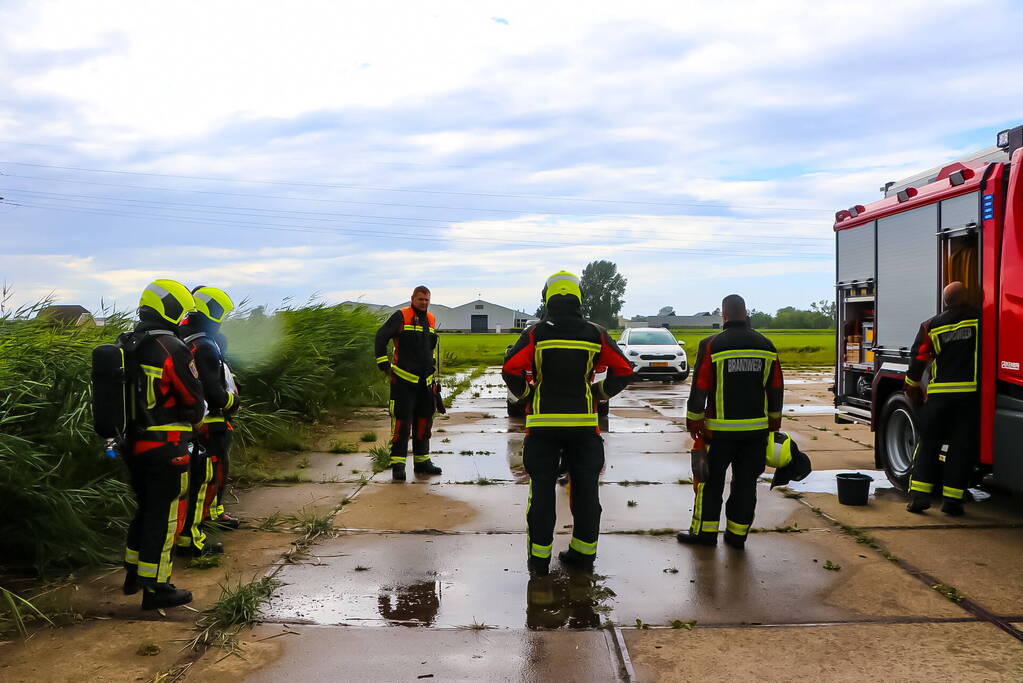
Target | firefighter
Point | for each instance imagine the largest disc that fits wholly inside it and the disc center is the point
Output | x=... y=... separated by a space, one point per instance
x=560 y=352
x=949 y=342
x=734 y=406
x=168 y=402
x=200 y=330
x=413 y=389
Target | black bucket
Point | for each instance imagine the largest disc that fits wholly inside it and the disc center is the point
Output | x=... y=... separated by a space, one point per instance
x=853 y=487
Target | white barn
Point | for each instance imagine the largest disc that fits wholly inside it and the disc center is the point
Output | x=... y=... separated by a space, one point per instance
x=474 y=316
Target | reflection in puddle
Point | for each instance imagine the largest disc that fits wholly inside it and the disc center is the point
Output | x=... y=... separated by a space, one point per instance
x=414 y=604
x=567 y=600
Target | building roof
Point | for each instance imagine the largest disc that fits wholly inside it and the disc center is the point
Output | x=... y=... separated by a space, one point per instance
x=67 y=314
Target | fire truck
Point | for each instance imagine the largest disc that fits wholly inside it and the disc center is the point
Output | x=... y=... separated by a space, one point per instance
x=960 y=221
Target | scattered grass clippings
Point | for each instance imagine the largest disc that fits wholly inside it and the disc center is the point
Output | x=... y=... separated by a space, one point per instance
x=641 y=625
x=670 y=570
x=204 y=562
x=342 y=448
x=148 y=650
x=688 y=625
x=831 y=566
x=949 y=592
x=271 y=522
x=360 y=568
x=238 y=606
x=445 y=440
x=483 y=481
x=632 y=503
x=368 y=437
x=795 y=495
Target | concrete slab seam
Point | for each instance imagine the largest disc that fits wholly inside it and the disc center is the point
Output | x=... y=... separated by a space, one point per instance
x=627 y=673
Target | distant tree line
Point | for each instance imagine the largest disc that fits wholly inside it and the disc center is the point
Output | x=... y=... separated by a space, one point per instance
x=820 y=316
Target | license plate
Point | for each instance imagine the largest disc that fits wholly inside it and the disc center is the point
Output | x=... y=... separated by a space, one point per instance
x=659 y=364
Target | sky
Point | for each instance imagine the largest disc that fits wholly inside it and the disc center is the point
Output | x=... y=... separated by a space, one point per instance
x=350 y=151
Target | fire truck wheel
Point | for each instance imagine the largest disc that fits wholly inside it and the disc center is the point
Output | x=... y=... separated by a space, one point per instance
x=896 y=439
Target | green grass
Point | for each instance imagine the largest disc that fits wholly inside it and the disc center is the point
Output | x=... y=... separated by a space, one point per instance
x=797 y=347
x=238 y=606
x=381 y=457
x=368 y=437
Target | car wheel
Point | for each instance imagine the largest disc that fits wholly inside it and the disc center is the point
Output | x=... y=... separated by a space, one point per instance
x=896 y=439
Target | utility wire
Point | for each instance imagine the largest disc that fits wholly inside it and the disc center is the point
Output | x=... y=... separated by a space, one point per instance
x=412 y=190
x=419 y=236
x=388 y=220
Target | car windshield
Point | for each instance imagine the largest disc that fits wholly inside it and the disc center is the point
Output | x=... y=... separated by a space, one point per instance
x=652 y=338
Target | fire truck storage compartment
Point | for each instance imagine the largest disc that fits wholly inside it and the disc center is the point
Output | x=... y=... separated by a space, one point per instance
x=907 y=276
x=960 y=244
x=855 y=299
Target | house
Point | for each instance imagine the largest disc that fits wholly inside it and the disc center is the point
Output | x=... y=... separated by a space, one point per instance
x=67 y=315
x=474 y=316
x=706 y=320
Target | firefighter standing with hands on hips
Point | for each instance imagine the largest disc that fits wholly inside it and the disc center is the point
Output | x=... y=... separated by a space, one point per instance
x=949 y=342
x=734 y=407
x=168 y=401
x=561 y=352
x=200 y=331
x=414 y=393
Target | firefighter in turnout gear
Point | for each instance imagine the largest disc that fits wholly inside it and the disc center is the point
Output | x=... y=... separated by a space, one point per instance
x=200 y=331
x=411 y=370
x=949 y=344
x=734 y=406
x=561 y=352
x=168 y=401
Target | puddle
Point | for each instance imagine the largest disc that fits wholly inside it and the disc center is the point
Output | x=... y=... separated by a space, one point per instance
x=808 y=409
x=823 y=481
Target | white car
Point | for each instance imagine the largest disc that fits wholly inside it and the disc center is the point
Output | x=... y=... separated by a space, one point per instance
x=655 y=354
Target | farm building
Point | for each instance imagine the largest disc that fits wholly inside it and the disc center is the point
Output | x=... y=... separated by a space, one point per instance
x=672 y=321
x=474 y=316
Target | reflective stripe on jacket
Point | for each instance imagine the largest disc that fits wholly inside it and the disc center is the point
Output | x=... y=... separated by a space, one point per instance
x=949 y=343
x=737 y=382
x=414 y=336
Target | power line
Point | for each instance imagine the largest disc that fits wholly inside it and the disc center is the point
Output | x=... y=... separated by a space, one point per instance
x=314 y=215
x=450 y=238
x=413 y=190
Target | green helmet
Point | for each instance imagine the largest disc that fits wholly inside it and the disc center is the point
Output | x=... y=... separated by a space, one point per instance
x=214 y=303
x=169 y=298
x=562 y=282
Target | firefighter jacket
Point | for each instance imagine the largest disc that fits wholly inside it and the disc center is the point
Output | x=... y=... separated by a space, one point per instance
x=203 y=339
x=561 y=353
x=737 y=383
x=950 y=343
x=415 y=337
x=168 y=394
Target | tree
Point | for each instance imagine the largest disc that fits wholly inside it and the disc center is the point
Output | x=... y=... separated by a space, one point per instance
x=760 y=319
x=826 y=308
x=603 y=288
x=666 y=311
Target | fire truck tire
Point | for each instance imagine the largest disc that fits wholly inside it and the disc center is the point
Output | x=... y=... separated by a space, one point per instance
x=896 y=439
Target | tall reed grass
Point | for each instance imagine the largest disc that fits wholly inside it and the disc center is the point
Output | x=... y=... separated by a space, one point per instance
x=62 y=504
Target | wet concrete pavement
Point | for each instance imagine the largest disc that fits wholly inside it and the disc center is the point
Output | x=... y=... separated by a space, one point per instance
x=437 y=566
x=428 y=578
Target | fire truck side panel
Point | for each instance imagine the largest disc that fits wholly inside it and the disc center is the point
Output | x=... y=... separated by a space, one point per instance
x=991 y=218
x=907 y=276
x=856 y=254
x=1006 y=423
x=1010 y=338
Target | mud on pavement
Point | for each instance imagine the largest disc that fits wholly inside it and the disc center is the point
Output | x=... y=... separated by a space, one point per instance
x=427 y=579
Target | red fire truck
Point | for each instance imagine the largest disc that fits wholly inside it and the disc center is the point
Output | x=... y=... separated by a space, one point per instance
x=961 y=221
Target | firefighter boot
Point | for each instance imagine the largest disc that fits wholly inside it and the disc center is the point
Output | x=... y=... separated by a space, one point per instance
x=703 y=538
x=953 y=508
x=131 y=580
x=159 y=595
x=211 y=548
x=539 y=566
x=918 y=502
x=735 y=540
x=426 y=467
x=576 y=560
x=398 y=472
x=227 y=521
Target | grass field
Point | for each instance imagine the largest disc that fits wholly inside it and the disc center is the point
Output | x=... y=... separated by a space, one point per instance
x=797 y=347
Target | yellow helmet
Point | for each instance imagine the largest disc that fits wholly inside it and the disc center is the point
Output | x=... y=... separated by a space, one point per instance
x=214 y=303
x=562 y=282
x=779 y=450
x=169 y=298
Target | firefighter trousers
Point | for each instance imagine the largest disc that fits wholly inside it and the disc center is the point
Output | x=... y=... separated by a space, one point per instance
x=201 y=490
x=218 y=445
x=946 y=419
x=545 y=450
x=411 y=408
x=159 y=477
x=747 y=458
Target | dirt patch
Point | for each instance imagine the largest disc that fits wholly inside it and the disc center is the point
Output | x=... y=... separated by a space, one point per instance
x=406 y=508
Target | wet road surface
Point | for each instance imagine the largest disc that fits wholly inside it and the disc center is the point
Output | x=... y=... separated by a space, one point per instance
x=428 y=578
